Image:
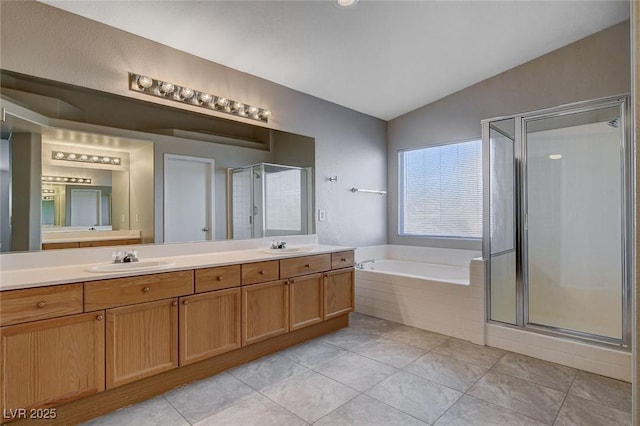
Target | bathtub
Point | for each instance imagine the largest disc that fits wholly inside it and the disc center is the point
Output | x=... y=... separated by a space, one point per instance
x=440 y=290
x=421 y=270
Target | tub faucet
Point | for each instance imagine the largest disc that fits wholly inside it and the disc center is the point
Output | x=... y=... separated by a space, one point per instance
x=360 y=265
x=278 y=245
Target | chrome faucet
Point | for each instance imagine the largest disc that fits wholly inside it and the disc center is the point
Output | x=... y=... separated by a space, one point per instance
x=125 y=257
x=278 y=244
x=130 y=257
x=360 y=265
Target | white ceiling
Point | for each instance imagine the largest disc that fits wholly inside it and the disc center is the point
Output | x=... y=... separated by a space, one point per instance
x=382 y=58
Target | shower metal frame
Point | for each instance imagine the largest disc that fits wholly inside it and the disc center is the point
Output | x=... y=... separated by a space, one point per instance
x=520 y=207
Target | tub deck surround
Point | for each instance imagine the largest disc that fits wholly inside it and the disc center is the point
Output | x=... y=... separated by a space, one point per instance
x=25 y=270
x=440 y=290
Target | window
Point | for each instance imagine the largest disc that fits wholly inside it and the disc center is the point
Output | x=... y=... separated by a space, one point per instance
x=441 y=191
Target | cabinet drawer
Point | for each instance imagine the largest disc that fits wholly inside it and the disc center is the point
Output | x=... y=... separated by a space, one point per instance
x=217 y=278
x=260 y=272
x=32 y=304
x=304 y=265
x=342 y=259
x=128 y=291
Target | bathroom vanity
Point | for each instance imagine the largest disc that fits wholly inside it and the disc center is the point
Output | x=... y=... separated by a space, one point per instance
x=96 y=342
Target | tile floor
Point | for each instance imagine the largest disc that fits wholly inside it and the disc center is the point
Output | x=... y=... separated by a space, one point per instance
x=377 y=372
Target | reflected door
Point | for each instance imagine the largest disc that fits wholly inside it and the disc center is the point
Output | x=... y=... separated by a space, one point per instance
x=85 y=207
x=188 y=198
x=573 y=222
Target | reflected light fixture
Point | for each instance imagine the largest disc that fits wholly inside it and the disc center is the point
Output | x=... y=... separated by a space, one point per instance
x=167 y=90
x=345 y=3
x=86 y=158
x=65 y=179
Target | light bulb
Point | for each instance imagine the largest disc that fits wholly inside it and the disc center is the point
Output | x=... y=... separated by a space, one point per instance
x=186 y=93
x=222 y=102
x=116 y=161
x=237 y=106
x=144 y=82
x=266 y=114
x=84 y=157
x=166 y=88
x=252 y=110
x=71 y=157
x=58 y=179
x=106 y=159
x=65 y=179
x=50 y=178
x=204 y=98
x=59 y=155
x=95 y=159
x=73 y=179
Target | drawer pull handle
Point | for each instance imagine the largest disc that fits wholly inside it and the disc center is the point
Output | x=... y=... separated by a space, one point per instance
x=100 y=317
x=41 y=304
x=146 y=289
x=185 y=302
x=261 y=272
x=174 y=303
x=219 y=278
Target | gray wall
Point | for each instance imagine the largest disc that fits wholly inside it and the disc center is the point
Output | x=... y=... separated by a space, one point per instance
x=594 y=67
x=40 y=40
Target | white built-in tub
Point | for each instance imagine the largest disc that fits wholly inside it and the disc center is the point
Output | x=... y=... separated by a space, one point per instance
x=440 y=290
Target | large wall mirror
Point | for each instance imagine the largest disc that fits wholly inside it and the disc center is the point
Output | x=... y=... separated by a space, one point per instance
x=80 y=165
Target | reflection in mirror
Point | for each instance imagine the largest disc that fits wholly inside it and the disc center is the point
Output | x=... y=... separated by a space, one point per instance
x=45 y=117
x=269 y=200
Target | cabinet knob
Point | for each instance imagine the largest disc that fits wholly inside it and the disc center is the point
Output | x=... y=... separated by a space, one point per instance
x=185 y=302
x=307 y=265
x=174 y=303
x=292 y=282
x=343 y=260
x=41 y=304
x=261 y=272
x=100 y=317
x=146 y=289
x=219 y=278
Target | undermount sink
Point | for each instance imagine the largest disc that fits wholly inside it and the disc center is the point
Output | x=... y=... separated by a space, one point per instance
x=299 y=249
x=143 y=265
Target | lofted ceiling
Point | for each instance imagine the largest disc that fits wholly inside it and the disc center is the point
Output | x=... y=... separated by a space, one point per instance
x=382 y=58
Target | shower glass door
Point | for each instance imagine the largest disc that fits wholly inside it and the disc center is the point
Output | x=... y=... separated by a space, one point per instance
x=558 y=220
x=573 y=221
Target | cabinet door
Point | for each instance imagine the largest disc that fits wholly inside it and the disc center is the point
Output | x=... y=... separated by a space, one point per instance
x=338 y=293
x=49 y=362
x=265 y=312
x=305 y=300
x=209 y=324
x=142 y=340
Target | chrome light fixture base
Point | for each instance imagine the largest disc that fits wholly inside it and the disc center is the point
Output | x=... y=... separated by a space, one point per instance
x=186 y=95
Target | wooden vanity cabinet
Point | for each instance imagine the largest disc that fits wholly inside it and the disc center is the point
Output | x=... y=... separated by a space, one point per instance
x=265 y=311
x=306 y=303
x=209 y=324
x=339 y=294
x=48 y=362
x=142 y=340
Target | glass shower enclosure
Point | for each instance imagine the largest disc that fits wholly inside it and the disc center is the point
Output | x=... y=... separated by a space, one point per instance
x=269 y=200
x=557 y=223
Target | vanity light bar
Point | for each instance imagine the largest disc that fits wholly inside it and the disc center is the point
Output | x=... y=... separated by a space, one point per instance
x=164 y=89
x=63 y=179
x=86 y=158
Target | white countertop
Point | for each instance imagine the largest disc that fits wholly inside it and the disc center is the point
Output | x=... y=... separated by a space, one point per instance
x=80 y=236
x=37 y=277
